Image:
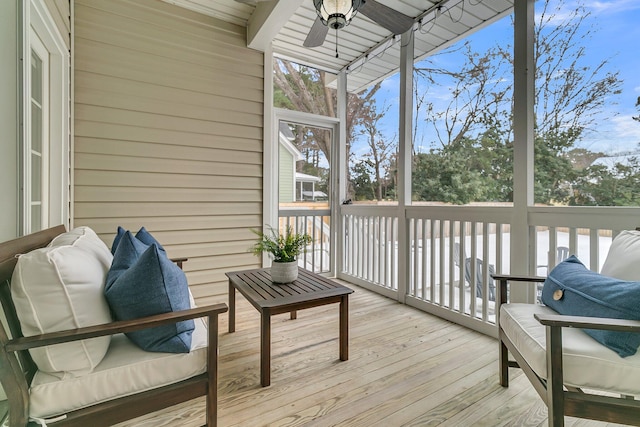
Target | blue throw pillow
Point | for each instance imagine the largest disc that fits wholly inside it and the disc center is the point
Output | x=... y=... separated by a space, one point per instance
x=574 y=290
x=117 y=239
x=143 y=235
x=142 y=282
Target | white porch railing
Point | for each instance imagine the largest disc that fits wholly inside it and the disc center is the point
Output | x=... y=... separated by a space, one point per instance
x=443 y=242
x=370 y=246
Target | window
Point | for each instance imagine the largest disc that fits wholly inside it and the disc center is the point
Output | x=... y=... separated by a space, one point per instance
x=45 y=122
x=37 y=144
x=303 y=88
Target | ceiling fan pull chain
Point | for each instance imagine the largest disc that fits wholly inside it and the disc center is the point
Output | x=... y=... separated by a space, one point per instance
x=336 y=43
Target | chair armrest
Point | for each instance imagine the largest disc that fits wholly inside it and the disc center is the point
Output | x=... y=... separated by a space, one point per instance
x=179 y=261
x=504 y=279
x=588 y=322
x=511 y=278
x=113 y=328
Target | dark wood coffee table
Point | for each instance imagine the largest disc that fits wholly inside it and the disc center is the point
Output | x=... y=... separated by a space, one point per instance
x=309 y=290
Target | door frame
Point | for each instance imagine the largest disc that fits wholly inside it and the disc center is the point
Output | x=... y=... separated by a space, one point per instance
x=311 y=120
x=36 y=22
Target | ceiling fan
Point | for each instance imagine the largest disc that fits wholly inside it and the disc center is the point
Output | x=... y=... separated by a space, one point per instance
x=328 y=17
x=384 y=16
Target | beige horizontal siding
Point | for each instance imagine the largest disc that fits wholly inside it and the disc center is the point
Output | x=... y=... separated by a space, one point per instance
x=164 y=136
x=168 y=133
x=143 y=211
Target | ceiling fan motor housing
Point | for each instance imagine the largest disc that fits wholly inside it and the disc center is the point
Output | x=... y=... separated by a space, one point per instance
x=337 y=14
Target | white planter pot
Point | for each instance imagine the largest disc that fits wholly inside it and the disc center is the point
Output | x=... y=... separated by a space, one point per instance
x=284 y=272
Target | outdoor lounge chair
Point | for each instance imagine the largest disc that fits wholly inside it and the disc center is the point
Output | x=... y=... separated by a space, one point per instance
x=153 y=381
x=562 y=253
x=479 y=278
x=574 y=374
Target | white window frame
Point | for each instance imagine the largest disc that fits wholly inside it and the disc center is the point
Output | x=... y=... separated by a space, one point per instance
x=39 y=49
x=39 y=26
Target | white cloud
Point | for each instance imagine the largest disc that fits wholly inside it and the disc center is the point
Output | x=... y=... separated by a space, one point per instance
x=596 y=8
x=612 y=7
x=615 y=135
x=626 y=127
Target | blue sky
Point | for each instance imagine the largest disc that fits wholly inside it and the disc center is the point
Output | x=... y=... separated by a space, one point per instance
x=616 y=38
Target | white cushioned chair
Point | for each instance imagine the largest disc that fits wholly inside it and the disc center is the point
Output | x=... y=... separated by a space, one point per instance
x=115 y=380
x=574 y=374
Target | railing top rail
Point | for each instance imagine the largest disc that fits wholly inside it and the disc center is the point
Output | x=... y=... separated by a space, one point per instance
x=492 y=214
x=601 y=217
x=369 y=210
x=303 y=212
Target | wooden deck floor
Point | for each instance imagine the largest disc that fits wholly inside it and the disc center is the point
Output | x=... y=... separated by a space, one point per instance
x=406 y=368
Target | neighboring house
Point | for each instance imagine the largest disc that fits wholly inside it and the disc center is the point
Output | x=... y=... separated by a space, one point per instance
x=611 y=161
x=289 y=155
x=306 y=188
x=294 y=186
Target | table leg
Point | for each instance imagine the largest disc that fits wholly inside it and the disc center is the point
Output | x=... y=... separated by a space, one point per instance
x=265 y=348
x=344 y=327
x=232 y=307
x=293 y=315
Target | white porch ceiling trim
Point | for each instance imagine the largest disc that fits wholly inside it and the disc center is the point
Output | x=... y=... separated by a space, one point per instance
x=267 y=20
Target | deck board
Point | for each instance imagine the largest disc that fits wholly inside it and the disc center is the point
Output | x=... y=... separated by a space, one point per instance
x=406 y=368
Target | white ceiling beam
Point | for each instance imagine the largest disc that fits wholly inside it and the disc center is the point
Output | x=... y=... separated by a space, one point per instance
x=267 y=20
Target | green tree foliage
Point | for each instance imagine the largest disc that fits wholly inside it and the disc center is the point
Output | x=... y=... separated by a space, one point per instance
x=604 y=186
x=363 y=187
x=447 y=174
x=381 y=149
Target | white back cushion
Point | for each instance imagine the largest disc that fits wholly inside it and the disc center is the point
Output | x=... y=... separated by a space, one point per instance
x=623 y=259
x=61 y=287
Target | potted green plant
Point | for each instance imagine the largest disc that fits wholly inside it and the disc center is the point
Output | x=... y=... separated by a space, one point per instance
x=284 y=249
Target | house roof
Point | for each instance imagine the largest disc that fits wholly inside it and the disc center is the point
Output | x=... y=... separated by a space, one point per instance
x=367 y=51
x=303 y=177
x=288 y=145
x=610 y=161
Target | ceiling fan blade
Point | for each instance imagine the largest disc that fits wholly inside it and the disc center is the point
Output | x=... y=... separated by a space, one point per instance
x=317 y=34
x=386 y=17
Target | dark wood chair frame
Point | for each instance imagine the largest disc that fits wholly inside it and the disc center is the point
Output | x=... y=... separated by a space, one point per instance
x=560 y=399
x=17 y=369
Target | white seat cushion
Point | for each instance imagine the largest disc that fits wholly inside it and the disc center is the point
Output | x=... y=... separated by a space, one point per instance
x=61 y=287
x=125 y=370
x=587 y=363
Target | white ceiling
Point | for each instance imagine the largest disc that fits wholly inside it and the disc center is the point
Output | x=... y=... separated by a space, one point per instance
x=286 y=23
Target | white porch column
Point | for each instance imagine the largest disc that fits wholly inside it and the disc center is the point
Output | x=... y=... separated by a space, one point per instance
x=404 y=160
x=270 y=196
x=523 y=132
x=340 y=175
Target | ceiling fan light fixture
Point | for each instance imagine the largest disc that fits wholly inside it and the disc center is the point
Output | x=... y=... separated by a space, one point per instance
x=336 y=14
